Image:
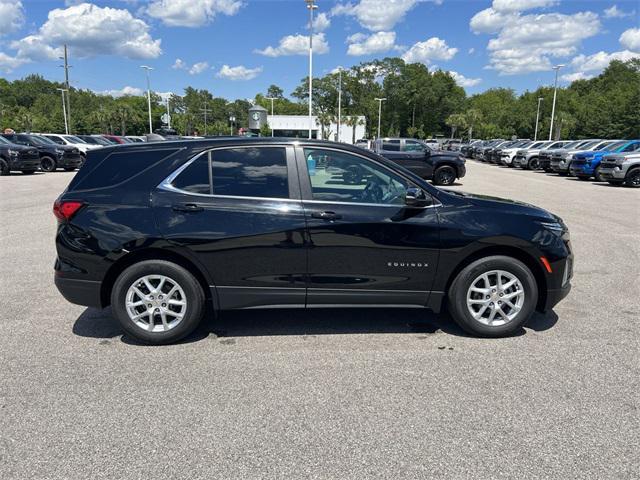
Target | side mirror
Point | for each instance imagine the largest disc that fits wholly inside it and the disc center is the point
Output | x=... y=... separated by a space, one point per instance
x=415 y=197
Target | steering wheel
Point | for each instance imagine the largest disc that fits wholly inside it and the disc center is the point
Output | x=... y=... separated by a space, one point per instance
x=372 y=193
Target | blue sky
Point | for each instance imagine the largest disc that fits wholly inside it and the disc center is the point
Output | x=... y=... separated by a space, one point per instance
x=238 y=48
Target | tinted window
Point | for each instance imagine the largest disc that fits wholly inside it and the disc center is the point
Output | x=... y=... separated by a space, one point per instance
x=413 y=146
x=195 y=178
x=391 y=145
x=632 y=148
x=343 y=177
x=58 y=140
x=250 y=172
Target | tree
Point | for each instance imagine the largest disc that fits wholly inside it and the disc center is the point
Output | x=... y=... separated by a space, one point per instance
x=456 y=121
x=275 y=91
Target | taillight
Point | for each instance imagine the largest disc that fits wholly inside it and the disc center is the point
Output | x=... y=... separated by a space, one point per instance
x=64 y=210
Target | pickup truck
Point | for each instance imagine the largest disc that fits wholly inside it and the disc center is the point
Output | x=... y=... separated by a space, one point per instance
x=442 y=168
x=621 y=168
x=587 y=164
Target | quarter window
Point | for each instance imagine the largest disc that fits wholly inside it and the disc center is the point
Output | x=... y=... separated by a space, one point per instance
x=342 y=177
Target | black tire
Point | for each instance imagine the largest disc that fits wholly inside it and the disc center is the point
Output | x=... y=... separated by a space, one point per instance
x=193 y=294
x=597 y=176
x=4 y=167
x=28 y=172
x=633 y=178
x=533 y=164
x=458 y=292
x=444 y=175
x=47 y=164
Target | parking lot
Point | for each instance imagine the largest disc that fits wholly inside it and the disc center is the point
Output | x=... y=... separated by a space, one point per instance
x=346 y=394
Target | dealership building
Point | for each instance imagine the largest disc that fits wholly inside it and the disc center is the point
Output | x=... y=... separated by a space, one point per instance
x=297 y=126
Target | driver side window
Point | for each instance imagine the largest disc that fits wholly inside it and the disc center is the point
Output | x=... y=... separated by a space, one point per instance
x=343 y=177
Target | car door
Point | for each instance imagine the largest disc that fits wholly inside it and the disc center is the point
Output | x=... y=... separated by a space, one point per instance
x=237 y=211
x=366 y=245
x=418 y=158
x=391 y=149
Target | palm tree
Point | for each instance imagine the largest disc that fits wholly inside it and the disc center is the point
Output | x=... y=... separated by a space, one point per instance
x=353 y=121
x=473 y=118
x=455 y=121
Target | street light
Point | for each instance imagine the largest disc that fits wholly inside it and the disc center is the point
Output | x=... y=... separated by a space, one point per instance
x=535 y=135
x=311 y=6
x=555 y=91
x=147 y=68
x=339 y=100
x=379 y=100
x=64 y=110
x=272 y=99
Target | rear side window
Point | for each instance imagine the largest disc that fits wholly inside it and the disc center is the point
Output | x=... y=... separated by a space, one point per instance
x=391 y=145
x=238 y=172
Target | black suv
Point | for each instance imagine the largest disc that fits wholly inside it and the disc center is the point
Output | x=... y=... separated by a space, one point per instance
x=17 y=157
x=442 y=168
x=52 y=155
x=157 y=230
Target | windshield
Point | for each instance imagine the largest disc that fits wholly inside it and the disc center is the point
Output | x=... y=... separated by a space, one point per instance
x=588 y=145
x=616 y=145
x=42 y=140
x=74 y=139
x=4 y=140
x=604 y=145
x=536 y=145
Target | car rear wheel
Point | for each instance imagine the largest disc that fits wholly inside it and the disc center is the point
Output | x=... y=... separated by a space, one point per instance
x=533 y=164
x=4 y=167
x=47 y=164
x=157 y=301
x=444 y=175
x=633 y=178
x=493 y=296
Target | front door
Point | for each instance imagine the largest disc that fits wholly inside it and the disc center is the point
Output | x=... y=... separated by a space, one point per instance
x=237 y=211
x=366 y=245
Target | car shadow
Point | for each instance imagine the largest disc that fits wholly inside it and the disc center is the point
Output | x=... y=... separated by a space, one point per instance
x=99 y=324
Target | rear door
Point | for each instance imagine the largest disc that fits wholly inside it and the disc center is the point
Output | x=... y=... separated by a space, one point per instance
x=366 y=245
x=237 y=211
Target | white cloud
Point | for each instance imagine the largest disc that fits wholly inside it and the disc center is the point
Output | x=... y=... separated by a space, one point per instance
x=529 y=42
x=191 y=13
x=135 y=91
x=90 y=31
x=432 y=49
x=379 y=42
x=321 y=22
x=615 y=12
x=179 y=64
x=599 y=61
x=9 y=63
x=238 y=73
x=520 y=5
x=376 y=15
x=198 y=68
x=631 y=39
x=464 y=81
x=296 y=45
x=11 y=16
x=490 y=21
x=572 y=77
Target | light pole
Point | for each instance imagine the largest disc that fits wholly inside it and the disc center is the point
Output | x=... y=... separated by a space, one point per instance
x=272 y=99
x=535 y=135
x=311 y=6
x=64 y=110
x=379 y=100
x=555 y=91
x=232 y=121
x=66 y=67
x=339 y=100
x=147 y=68
x=168 y=113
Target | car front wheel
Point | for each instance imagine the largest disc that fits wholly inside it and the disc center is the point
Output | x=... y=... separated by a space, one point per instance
x=493 y=296
x=157 y=301
x=47 y=164
x=444 y=175
x=633 y=178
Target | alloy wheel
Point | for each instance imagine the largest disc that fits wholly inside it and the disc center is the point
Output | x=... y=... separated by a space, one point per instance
x=495 y=298
x=156 y=303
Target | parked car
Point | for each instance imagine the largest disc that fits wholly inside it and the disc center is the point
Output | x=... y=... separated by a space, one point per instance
x=433 y=144
x=71 y=140
x=467 y=148
x=452 y=145
x=587 y=164
x=506 y=154
x=442 y=168
x=363 y=143
x=116 y=139
x=52 y=155
x=621 y=168
x=15 y=157
x=561 y=159
x=495 y=154
x=96 y=140
x=136 y=138
x=529 y=158
x=293 y=229
x=482 y=152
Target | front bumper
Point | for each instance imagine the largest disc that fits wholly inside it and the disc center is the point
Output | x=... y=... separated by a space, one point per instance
x=555 y=296
x=30 y=163
x=613 y=174
x=559 y=165
x=580 y=170
x=72 y=161
x=462 y=170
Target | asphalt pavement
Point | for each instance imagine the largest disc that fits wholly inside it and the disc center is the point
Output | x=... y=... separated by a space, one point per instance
x=338 y=394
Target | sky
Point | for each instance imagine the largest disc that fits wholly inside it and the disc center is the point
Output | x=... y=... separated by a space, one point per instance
x=237 y=48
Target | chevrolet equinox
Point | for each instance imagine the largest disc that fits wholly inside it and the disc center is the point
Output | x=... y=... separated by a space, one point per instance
x=158 y=230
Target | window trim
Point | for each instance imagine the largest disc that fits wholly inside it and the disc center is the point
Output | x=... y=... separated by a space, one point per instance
x=292 y=175
x=307 y=192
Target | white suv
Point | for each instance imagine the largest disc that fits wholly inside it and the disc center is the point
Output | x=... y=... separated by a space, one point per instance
x=72 y=140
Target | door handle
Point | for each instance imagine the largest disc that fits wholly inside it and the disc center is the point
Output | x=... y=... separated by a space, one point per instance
x=326 y=215
x=187 y=207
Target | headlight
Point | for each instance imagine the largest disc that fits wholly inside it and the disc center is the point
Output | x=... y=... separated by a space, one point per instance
x=555 y=227
x=59 y=151
x=13 y=153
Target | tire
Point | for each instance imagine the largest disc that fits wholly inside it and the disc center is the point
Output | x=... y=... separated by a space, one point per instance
x=597 y=176
x=445 y=175
x=47 y=164
x=532 y=164
x=510 y=268
x=4 y=167
x=633 y=178
x=28 y=172
x=151 y=329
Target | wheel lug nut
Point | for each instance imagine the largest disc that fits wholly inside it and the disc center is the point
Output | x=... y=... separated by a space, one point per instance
x=150 y=305
x=491 y=304
x=501 y=294
x=150 y=297
x=493 y=291
x=164 y=305
x=488 y=297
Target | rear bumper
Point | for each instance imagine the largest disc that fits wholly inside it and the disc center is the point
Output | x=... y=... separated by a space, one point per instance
x=80 y=292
